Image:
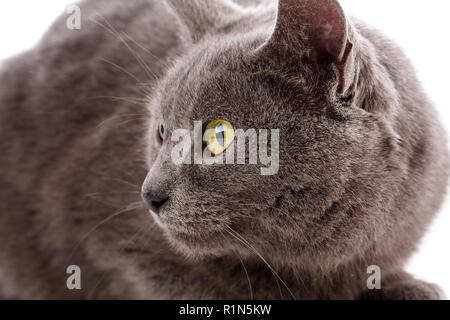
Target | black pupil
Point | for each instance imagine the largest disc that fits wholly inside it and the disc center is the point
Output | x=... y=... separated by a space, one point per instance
x=220 y=135
x=161 y=131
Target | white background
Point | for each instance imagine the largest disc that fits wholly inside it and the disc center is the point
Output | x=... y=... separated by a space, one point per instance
x=420 y=27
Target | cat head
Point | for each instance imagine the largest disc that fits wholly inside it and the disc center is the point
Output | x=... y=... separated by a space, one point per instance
x=291 y=69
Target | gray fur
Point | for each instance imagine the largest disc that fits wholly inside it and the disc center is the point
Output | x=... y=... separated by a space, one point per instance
x=363 y=162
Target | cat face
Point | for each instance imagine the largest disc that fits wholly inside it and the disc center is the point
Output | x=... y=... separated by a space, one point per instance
x=295 y=80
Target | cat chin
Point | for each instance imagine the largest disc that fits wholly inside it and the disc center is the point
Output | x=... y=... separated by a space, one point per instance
x=197 y=246
x=193 y=241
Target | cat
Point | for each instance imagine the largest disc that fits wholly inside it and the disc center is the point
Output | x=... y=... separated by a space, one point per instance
x=88 y=114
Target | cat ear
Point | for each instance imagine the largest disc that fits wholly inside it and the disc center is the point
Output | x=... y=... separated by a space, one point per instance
x=316 y=30
x=200 y=17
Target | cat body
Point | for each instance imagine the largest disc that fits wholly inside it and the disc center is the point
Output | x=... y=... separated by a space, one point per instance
x=363 y=159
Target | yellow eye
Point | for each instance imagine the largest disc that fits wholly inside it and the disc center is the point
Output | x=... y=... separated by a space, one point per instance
x=218 y=136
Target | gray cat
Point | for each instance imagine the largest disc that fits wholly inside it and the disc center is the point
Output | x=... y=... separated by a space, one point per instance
x=89 y=113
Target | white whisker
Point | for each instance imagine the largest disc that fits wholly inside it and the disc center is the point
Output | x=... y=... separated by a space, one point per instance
x=114 y=32
x=246 y=243
x=129 y=208
x=122 y=69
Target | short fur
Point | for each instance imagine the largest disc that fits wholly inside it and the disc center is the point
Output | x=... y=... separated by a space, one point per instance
x=363 y=158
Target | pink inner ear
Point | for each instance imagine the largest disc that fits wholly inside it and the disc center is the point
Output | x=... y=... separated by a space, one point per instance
x=319 y=25
x=328 y=29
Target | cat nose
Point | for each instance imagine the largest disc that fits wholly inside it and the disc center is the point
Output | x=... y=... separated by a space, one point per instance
x=153 y=202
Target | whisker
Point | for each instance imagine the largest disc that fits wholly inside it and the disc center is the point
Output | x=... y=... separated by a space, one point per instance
x=122 y=69
x=102 y=201
x=113 y=31
x=133 y=117
x=129 y=208
x=129 y=121
x=158 y=60
x=243 y=266
x=122 y=181
x=146 y=87
x=245 y=242
x=273 y=273
x=137 y=234
x=246 y=273
x=101 y=193
x=95 y=196
x=127 y=99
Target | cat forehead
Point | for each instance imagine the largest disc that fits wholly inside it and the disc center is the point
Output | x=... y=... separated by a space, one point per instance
x=203 y=66
x=216 y=76
x=225 y=62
